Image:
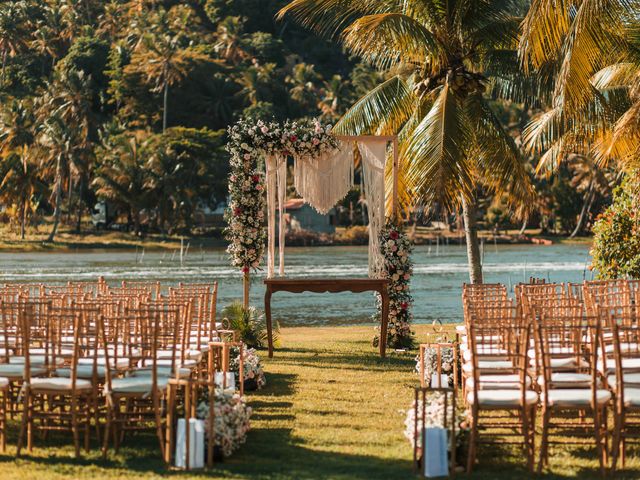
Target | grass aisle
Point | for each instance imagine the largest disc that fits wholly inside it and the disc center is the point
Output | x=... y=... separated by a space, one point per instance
x=330 y=411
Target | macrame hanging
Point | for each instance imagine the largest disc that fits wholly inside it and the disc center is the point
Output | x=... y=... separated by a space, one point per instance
x=271 y=167
x=282 y=193
x=325 y=180
x=374 y=153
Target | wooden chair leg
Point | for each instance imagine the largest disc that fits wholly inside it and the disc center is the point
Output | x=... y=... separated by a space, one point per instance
x=30 y=407
x=472 y=440
x=598 y=438
x=544 y=445
x=158 y=419
x=107 y=428
x=74 y=427
x=170 y=421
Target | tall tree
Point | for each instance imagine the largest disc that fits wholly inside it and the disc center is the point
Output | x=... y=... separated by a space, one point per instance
x=440 y=57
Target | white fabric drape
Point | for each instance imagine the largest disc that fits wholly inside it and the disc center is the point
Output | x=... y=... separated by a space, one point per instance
x=282 y=195
x=374 y=154
x=325 y=180
x=271 y=166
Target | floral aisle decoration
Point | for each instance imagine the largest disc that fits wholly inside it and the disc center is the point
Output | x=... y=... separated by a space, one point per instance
x=434 y=417
x=396 y=249
x=254 y=377
x=245 y=214
x=231 y=420
x=447 y=359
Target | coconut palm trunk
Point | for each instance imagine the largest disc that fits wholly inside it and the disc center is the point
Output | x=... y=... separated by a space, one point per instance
x=471 y=235
x=23 y=218
x=586 y=208
x=165 y=103
x=57 y=210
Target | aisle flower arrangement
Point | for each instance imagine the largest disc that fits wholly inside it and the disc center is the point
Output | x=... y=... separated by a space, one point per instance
x=396 y=249
x=254 y=377
x=447 y=359
x=231 y=420
x=434 y=417
x=249 y=143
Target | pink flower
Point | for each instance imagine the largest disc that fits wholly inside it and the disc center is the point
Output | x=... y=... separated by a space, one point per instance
x=264 y=129
x=315 y=141
x=393 y=234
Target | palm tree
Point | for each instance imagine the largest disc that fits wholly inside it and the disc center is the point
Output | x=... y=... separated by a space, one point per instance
x=13 y=31
x=587 y=54
x=57 y=140
x=440 y=57
x=121 y=174
x=164 y=62
x=20 y=183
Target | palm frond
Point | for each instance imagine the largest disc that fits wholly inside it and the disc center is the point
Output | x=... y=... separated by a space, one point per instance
x=382 y=111
x=434 y=155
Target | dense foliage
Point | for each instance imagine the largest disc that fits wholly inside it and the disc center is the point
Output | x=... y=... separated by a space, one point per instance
x=616 y=243
x=127 y=101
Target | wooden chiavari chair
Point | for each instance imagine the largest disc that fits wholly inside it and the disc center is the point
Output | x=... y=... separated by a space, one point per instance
x=57 y=403
x=570 y=384
x=492 y=345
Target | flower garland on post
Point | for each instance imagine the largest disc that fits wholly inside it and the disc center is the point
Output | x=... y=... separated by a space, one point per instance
x=396 y=249
x=245 y=214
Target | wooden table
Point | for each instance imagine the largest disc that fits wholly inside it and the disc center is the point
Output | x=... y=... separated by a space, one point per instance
x=331 y=285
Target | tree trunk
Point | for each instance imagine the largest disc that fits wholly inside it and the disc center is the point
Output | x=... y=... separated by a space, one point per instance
x=586 y=207
x=525 y=222
x=164 y=107
x=23 y=219
x=4 y=62
x=473 y=246
x=56 y=212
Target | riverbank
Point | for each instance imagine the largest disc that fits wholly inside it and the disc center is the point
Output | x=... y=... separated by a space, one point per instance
x=68 y=240
x=332 y=409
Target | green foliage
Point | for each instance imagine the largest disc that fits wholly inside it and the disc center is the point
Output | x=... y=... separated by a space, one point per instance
x=616 y=243
x=250 y=324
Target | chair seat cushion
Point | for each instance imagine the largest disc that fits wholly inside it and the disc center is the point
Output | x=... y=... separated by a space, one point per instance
x=120 y=364
x=568 y=380
x=83 y=371
x=163 y=371
x=37 y=360
x=16 y=370
x=498 y=382
x=629 y=378
x=57 y=383
x=564 y=362
x=503 y=398
x=4 y=383
x=137 y=384
x=632 y=397
x=488 y=365
x=576 y=397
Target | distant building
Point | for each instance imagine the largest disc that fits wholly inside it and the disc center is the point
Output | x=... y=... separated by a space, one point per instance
x=301 y=216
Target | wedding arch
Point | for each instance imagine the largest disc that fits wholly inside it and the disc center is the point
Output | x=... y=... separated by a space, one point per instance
x=323 y=175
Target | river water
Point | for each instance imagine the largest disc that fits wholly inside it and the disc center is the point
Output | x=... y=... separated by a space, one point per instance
x=436 y=285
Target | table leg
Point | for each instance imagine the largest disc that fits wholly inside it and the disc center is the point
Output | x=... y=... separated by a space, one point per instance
x=267 y=312
x=384 y=322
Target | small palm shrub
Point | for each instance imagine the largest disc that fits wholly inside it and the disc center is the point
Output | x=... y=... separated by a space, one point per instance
x=250 y=324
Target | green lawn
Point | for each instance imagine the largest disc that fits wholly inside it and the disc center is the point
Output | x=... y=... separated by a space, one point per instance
x=331 y=410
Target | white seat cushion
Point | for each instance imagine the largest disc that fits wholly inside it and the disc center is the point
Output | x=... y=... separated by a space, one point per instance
x=632 y=397
x=568 y=380
x=63 y=351
x=461 y=329
x=627 y=364
x=564 y=362
x=163 y=371
x=488 y=365
x=83 y=371
x=503 y=398
x=57 y=383
x=36 y=360
x=498 y=382
x=576 y=397
x=630 y=379
x=16 y=370
x=121 y=364
x=137 y=384
x=625 y=347
x=4 y=383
